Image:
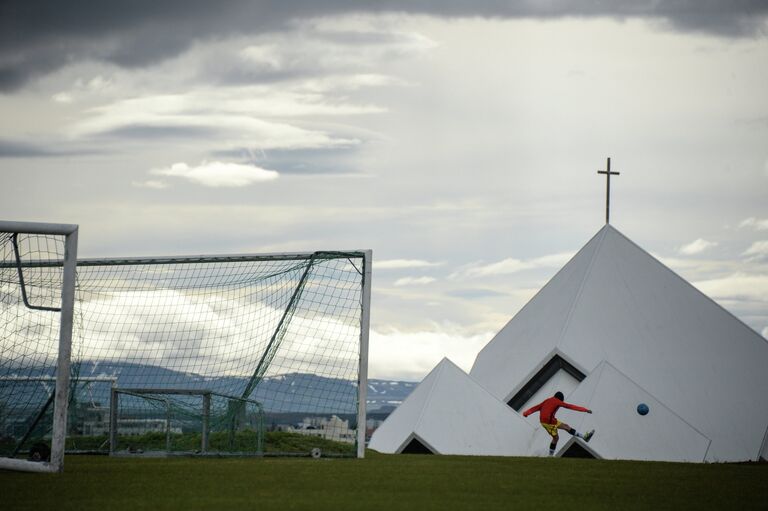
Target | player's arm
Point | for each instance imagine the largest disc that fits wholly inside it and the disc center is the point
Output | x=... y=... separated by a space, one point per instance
x=532 y=409
x=576 y=407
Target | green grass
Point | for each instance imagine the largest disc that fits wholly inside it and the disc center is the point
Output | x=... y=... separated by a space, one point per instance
x=381 y=482
x=245 y=441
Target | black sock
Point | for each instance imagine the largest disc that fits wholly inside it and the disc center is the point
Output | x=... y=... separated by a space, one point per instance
x=552 y=446
x=572 y=431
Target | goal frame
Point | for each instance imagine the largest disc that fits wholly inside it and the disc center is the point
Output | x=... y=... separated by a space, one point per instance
x=61 y=399
x=365 y=304
x=70 y=263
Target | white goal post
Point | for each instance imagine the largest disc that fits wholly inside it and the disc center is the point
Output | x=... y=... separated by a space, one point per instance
x=10 y=232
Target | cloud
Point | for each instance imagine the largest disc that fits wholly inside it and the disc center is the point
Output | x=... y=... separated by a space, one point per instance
x=82 y=88
x=410 y=281
x=62 y=97
x=16 y=149
x=693 y=269
x=758 y=224
x=757 y=251
x=324 y=161
x=512 y=265
x=267 y=55
x=38 y=37
x=411 y=355
x=350 y=82
x=473 y=294
x=218 y=174
x=696 y=247
x=233 y=117
x=320 y=55
x=401 y=264
x=151 y=183
x=738 y=286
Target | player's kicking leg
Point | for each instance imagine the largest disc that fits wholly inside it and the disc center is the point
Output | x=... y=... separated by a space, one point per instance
x=585 y=436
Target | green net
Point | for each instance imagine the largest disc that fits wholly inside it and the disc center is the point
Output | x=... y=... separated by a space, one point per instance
x=241 y=354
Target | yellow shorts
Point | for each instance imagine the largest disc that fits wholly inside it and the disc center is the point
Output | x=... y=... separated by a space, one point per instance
x=551 y=428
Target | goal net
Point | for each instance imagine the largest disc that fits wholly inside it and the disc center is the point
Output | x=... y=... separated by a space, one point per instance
x=37 y=276
x=247 y=354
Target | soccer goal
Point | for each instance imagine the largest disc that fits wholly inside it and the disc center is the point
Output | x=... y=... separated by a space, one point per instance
x=37 y=288
x=217 y=355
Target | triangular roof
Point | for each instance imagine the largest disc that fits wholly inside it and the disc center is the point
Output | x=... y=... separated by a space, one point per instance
x=613 y=301
x=449 y=413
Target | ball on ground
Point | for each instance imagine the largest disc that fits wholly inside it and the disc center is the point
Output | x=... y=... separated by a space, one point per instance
x=642 y=409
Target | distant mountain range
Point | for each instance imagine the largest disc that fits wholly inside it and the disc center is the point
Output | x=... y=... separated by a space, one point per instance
x=286 y=393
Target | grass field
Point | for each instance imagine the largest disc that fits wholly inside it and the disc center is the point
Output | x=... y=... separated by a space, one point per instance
x=381 y=482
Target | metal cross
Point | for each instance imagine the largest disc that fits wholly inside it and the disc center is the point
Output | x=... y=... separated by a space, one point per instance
x=608 y=175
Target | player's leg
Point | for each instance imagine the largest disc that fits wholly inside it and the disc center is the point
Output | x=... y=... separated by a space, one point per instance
x=552 y=430
x=553 y=445
x=585 y=436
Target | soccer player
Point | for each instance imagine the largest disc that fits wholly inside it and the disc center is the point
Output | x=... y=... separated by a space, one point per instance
x=547 y=410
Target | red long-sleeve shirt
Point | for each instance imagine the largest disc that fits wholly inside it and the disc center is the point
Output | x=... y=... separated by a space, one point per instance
x=549 y=407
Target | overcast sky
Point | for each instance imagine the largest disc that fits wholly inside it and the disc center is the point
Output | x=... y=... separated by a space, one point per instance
x=459 y=140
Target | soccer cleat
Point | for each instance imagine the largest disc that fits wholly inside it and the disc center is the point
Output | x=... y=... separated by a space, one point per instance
x=588 y=435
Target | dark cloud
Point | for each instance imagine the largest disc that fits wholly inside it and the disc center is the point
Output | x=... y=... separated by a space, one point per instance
x=15 y=149
x=153 y=132
x=235 y=74
x=310 y=162
x=39 y=36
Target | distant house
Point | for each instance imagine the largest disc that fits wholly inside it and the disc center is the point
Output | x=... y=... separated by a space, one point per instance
x=330 y=428
x=92 y=419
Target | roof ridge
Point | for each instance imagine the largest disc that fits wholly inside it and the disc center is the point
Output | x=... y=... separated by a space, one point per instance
x=437 y=370
x=577 y=296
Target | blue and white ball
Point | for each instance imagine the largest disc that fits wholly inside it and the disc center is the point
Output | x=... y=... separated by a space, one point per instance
x=643 y=409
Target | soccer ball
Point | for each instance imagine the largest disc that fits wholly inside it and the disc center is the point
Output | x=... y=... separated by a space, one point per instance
x=642 y=409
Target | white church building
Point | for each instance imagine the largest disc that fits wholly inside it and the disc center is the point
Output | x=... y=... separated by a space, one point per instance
x=614 y=328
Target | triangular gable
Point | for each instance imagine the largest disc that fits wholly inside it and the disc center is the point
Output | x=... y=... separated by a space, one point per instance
x=458 y=416
x=394 y=433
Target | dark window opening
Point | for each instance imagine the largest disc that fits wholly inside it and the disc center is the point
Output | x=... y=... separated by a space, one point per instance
x=576 y=450
x=416 y=447
x=540 y=378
